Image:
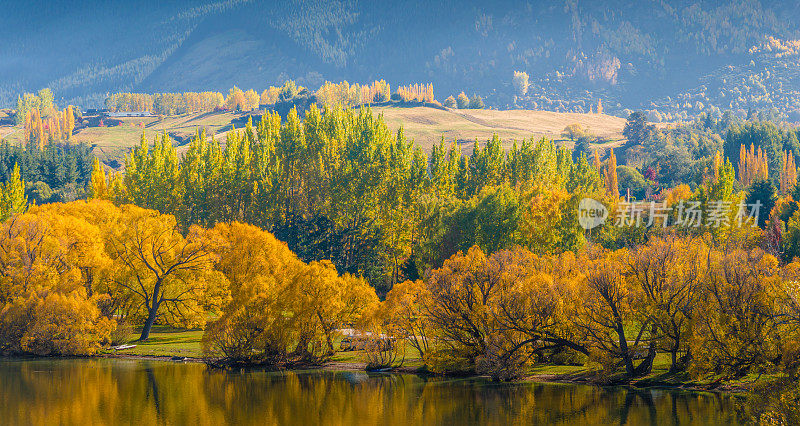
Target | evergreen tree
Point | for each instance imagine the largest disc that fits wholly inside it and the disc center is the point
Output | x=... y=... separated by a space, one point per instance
x=636 y=129
x=762 y=191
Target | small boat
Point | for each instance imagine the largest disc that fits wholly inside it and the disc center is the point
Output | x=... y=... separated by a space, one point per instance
x=121 y=347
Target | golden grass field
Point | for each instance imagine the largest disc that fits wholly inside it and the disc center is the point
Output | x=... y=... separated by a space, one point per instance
x=427 y=125
x=424 y=125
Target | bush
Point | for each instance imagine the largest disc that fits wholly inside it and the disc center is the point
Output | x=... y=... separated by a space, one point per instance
x=383 y=352
x=630 y=178
x=566 y=356
x=53 y=324
x=122 y=333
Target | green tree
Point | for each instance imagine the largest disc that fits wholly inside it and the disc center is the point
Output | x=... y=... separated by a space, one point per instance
x=476 y=102
x=764 y=193
x=636 y=129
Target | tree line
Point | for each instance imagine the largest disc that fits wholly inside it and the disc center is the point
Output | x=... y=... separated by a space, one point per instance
x=339 y=185
x=329 y=94
x=714 y=308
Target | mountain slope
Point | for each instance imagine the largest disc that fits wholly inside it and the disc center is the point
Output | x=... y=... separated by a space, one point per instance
x=665 y=55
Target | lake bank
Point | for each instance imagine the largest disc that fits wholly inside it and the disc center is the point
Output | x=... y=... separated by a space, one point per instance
x=168 y=342
x=544 y=374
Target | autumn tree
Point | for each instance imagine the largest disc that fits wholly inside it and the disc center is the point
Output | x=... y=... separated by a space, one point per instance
x=12 y=195
x=404 y=316
x=46 y=301
x=236 y=100
x=462 y=100
x=99 y=180
x=608 y=317
x=168 y=275
x=737 y=323
x=788 y=175
x=260 y=271
x=520 y=82
x=281 y=310
x=667 y=273
x=612 y=186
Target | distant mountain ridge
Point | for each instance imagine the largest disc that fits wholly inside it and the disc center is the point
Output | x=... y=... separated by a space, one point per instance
x=679 y=58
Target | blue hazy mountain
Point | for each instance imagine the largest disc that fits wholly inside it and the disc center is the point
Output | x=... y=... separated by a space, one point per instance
x=673 y=55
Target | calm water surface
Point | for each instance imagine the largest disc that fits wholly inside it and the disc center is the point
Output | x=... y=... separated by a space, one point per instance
x=110 y=391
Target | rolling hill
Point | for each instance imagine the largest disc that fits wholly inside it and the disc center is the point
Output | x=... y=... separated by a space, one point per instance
x=426 y=126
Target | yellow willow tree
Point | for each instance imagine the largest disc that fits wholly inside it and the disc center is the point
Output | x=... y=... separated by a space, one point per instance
x=608 y=317
x=738 y=321
x=168 y=276
x=45 y=308
x=403 y=314
x=668 y=273
x=323 y=302
x=281 y=310
x=255 y=324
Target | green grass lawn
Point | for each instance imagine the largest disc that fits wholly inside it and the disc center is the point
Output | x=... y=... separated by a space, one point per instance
x=167 y=341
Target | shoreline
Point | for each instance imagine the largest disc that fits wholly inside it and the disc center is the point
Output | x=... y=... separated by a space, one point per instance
x=572 y=379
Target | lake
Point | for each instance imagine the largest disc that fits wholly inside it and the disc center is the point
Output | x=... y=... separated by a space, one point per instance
x=116 y=391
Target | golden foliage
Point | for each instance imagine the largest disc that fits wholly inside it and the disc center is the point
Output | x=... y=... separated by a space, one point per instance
x=281 y=310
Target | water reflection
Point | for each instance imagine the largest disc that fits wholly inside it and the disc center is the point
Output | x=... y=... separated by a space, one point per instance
x=87 y=392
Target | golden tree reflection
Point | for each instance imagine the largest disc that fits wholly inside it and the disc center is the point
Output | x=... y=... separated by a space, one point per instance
x=88 y=392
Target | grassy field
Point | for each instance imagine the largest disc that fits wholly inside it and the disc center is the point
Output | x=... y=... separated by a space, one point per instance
x=425 y=125
x=167 y=341
x=112 y=143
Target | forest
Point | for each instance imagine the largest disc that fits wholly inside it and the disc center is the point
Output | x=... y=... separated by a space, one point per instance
x=292 y=229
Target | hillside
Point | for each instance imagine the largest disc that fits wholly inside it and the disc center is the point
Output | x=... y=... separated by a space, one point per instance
x=674 y=58
x=425 y=125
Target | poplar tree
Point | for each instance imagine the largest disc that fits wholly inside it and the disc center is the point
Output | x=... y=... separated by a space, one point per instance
x=612 y=186
x=99 y=180
x=13 y=195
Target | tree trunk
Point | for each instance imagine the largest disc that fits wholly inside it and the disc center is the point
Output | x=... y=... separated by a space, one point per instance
x=152 y=311
x=674 y=354
x=646 y=366
x=624 y=351
x=151 y=318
